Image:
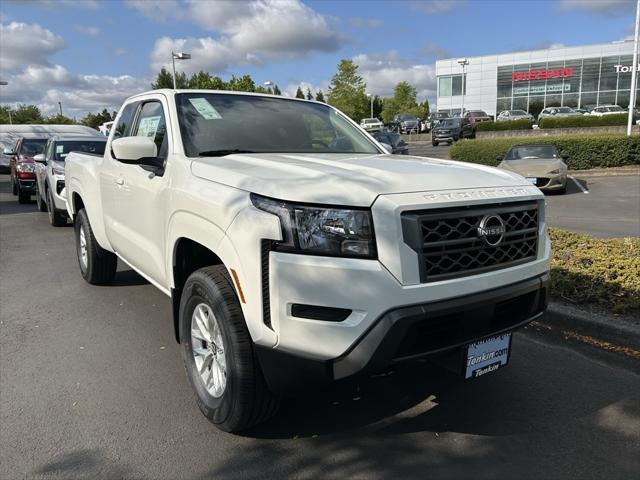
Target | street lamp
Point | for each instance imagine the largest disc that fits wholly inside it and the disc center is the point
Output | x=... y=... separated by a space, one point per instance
x=463 y=62
x=634 y=72
x=60 y=105
x=178 y=56
x=371 y=97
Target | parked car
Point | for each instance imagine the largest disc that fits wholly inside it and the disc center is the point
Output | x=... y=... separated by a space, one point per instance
x=50 y=179
x=298 y=253
x=405 y=123
x=604 y=110
x=22 y=165
x=509 y=115
x=477 y=116
x=581 y=111
x=451 y=130
x=371 y=123
x=539 y=164
x=557 y=112
x=432 y=120
x=393 y=140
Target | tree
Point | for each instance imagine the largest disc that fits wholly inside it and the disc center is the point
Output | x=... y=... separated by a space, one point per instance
x=4 y=114
x=59 y=120
x=26 y=114
x=378 y=104
x=299 y=93
x=403 y=101
x=205 y=81
x=309 y=94
x=242 y=84
x=163 y=80
x=319 y=96
x=347 y=91
x=95 y=120
x=276 y=90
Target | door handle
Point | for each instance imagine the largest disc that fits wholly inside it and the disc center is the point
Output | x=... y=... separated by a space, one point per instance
x=120 y=181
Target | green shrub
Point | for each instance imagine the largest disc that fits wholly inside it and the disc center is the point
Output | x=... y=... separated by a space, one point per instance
x=584 y=151
x=584 y=121
x=522 y=124
x=605 y=272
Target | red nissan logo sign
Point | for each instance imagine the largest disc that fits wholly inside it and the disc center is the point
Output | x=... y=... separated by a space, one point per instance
x=542 y=74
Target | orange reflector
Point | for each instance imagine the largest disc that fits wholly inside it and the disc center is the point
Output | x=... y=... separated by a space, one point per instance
x=238 y=286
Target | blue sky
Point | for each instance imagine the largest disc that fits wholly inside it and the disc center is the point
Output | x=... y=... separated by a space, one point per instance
x=91 y=54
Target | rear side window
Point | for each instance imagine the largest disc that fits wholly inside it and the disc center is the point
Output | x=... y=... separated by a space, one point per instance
x=123 y=128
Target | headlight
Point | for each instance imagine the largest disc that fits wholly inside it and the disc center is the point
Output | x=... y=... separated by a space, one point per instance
x=316 y=230
x=26 y=167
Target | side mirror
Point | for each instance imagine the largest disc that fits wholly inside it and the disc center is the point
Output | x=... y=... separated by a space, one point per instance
x=134 y=149
x=499 y=158
x=40 y=158
x=7 y=151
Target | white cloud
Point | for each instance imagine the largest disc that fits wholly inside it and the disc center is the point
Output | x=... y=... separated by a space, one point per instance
x=433 y=50
x=24 y=44
x=157 y=10
x=605 y=8
x=87 y=30
x=437 y=7
x=292 y=88
x=251 y=33
x=358 y=22
x=383 y=71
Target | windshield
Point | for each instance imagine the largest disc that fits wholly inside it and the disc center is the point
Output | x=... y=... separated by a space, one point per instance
x=477 y=113
x=565 y=110
x=517 y=112
x=615 y=109
x=531 y=151
x=33 y=146
x=449 y=122
x=214 y=124
x=62 y=148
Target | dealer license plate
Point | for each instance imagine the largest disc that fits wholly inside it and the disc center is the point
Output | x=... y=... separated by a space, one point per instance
x=487 y=355
x=532 y=180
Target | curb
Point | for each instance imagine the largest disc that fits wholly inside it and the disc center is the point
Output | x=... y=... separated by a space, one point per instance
x=606 y=172
x=615 y=330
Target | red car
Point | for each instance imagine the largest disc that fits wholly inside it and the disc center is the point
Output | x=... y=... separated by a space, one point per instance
x=478 y=116
x=23 y=167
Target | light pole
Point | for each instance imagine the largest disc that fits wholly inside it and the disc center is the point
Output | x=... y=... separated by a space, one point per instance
x=634 y=72
x=178 y=56
x=2 y=82
x=60 y=105
x=463 y=63
x=371 y=97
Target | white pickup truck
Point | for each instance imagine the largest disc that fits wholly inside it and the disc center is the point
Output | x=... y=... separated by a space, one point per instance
x=297 y=251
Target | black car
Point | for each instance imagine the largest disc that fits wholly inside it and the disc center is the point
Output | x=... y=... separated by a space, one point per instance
x=393 y=139
x=432 y=120
x=405 y=123
x=453 y=129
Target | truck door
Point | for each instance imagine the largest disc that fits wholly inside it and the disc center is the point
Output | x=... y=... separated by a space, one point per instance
x=135 y=199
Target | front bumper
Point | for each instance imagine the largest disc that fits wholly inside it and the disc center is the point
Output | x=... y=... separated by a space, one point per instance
x=553 y=182
x=420 y=330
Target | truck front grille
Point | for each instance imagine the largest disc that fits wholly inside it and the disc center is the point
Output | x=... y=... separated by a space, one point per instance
x=461 y=241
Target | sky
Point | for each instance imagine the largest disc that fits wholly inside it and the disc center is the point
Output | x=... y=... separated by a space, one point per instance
x=92 y=54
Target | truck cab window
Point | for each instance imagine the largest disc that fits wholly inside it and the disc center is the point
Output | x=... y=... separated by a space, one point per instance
x=123 y=128
x=151 y=123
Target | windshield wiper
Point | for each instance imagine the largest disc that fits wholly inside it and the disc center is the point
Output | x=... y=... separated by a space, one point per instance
x=222 y=153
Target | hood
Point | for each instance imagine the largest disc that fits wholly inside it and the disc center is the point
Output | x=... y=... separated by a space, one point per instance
x=345 y=179
x=533 y=167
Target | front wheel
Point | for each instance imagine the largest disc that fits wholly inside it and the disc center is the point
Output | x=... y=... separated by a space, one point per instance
x=42 y=206
x=97 y=265
x=14 y=187
x=23 y=197
x=218 y=354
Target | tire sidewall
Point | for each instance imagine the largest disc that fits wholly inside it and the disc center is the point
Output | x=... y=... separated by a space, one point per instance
x=198 y=290
x=82 y=223
x=51 y=210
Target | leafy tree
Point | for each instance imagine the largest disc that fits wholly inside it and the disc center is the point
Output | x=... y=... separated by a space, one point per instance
x=242 y=84
x=319 y=96
x=299 y=93
x=309 y=94
x=95 y=120
x=4 y=114
x=205 y=81
x=403 y=101
x=424 y=108
x=26 y=114
x=59 y=120
x=163 y=80
x=276 y=90
x=378 y=104
x=347 y=91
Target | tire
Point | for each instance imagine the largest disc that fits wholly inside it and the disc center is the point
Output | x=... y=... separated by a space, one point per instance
x=56 y=219
x=243 y=399
x=434 y=144
x=98 y=265
x=14 y=187
x=23 y=197
x=42 y=206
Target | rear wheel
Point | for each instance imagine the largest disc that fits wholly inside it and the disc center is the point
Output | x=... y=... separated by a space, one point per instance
x=57 y=219
x=23 y=197
x=97 y=265
x=14 y=187
x=218 y=353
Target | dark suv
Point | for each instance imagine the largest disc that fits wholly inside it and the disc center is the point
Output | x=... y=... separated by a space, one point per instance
x=452 y=129
x=405 y=123
x=23 y=166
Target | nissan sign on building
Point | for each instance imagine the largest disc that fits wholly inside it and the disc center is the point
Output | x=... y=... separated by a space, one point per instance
x=578 y=77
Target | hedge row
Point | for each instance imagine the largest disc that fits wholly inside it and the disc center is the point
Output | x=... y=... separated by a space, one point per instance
x=604 y=272
x=584 y=151
x=584 y=121
x=522 y=124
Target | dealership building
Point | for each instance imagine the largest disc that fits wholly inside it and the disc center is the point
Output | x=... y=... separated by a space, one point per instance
x=578 y=77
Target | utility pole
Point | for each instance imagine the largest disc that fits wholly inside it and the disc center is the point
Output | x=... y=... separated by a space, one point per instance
x=60 y=105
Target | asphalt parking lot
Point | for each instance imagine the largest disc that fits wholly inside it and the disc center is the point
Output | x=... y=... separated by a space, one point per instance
x=92 y=386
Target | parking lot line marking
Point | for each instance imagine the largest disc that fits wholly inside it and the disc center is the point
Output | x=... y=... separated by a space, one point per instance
x=579 y=185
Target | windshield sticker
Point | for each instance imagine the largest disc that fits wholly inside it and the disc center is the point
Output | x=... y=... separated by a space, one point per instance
x=59 y=148
x=148 y=126
x=205 y=109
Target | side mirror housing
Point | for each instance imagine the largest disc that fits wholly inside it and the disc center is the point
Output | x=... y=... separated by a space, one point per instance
x=134 y=149
x=40 y=158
